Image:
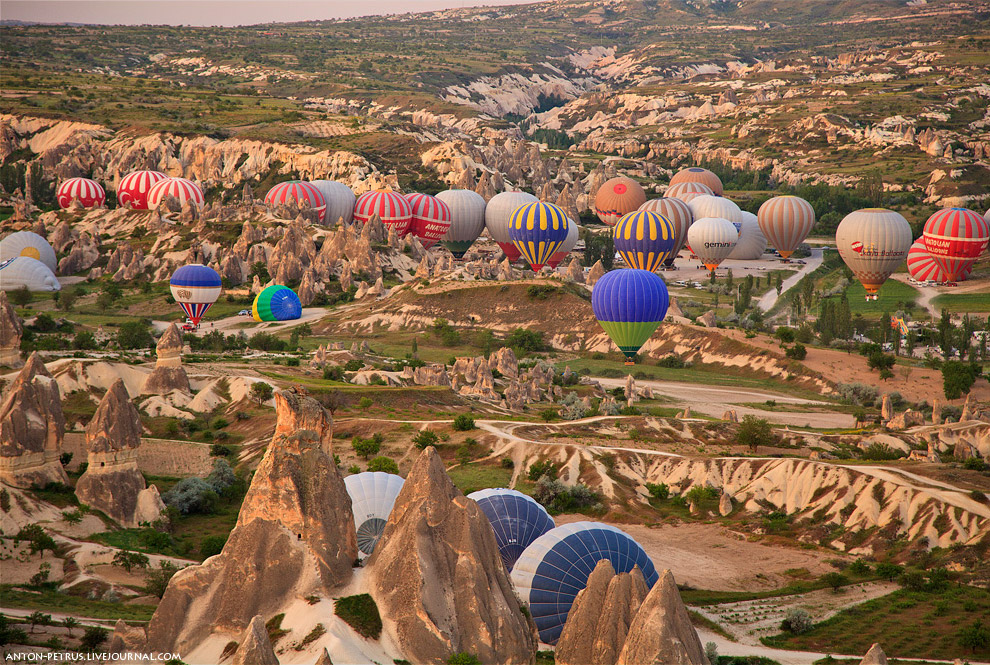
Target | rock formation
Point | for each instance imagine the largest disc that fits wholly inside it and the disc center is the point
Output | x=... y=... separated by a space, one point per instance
x=886 y=408
x=294 y=537
x=875 y=656
x=599 y=620
x=10 y=334
x=112 y=482
x=595 y=273
x=662 y=630
x=324 y=658
x=255 y=648
x=438 y=580
x=31 y=429
x=168 y=374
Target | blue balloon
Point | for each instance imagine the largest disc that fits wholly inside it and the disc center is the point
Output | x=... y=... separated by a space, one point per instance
x=195 y=275
x=556 y=566
x=516 y=519
x=538 y=230
x=630 y=304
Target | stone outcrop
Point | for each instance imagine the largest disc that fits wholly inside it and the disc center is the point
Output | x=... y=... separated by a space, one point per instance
x=255 y=647
x=504 y=360
x=724 y=504
x=599 y=620
x=875 y=656
x=31 y=429
x=886 y=408
x=595 y=273
x=909 y=418
x=294 y=538
x=662 y=630
x=10 y=334
x=438 y=579
x=168 y=374
x=112 y=482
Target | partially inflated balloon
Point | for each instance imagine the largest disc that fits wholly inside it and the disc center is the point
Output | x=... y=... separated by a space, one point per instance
x=276 y=303
x=629 y=304
x=430 y=218
x=134 y=188
x=752 y=243
x=644 y=240
x=538 y=230
x=617 y=197
x=712 y=239
x=686 y=191
x=195 y=287
x=566 y=246
x=497 y=214
x=697 y=174
x=955 y=238
x=873 y=242
x=786 y=222
x=467 y=211
x=391 y=207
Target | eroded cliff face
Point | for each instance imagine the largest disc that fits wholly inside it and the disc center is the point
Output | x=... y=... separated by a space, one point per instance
x=294 y=537
x=438 y=579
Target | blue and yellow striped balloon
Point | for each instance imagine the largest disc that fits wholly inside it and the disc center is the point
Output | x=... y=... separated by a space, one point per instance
x=644 y=239
x=538 y=229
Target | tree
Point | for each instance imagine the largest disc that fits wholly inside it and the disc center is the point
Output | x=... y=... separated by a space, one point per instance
x=835 y=580
x=261 y=391
x=889 y=571
x=70 y=624
x=384 y=465
x=20 y=297
x=944 y=335
x=365 y=448
x=797 y=352
x=464 y=423
x=39 y=619
x=779 y=284
x=425 y=438
x=134 y=335
x=755 y=432
x=157 y=579
x=128 y=560
x=104 y=301
x=66 y=300
x=93 y=637
x=260 y=270
x=957 y=378
x=975 y=636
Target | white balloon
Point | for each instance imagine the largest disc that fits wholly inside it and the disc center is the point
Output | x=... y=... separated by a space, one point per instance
x=372 y=495
x=24 y=271
x=30 y=244
x=340 y=201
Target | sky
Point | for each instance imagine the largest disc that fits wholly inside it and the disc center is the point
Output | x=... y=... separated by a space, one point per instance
x=215 y=12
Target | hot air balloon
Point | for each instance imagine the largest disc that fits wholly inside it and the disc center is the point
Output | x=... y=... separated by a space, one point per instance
x=698 y=175
x=752 y=243
x=516 y=519
x=955 y=238
x=538 y=230
x=617 y=197
x=497 y=214
x=922 y=266
x=873 y=242
x=786 y=222
x=712 y=239
x=565 y=247
x=88 y=192
x=296 y=194
x=629 y=304
x=30 y=244
x=467 y=212
x=182 y=189
x=391 y=207
x=430 y=218
x=555 y=567
x=195 y=287
x=373 y=494
x=686 y=191
x=679 y=214
x=276 y=303
x=134 y=188
x=340 y=201
x=715 y=206
x=644 y=240
x=24 y=271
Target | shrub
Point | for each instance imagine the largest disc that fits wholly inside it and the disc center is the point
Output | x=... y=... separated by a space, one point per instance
x=158 y=578
x=212 y=545
x=834 y=580
x=507 y=463
x=464 y=423
x=974 y=464
x=797 y=352
x=889 y=571
x=671 y=361
x=365 y=448
x=797 y=621
x=93 y=637
x=361 y=613
x=365 y=402
x=192 y=495
x=134 y=335
x=464 y=658
x=425 y=438
x=558 y=498
x=879 y=451
x=220 y=450
x=658 y=490
x=261 y=391
x=860 y=567
x=544 y=468
x=383 y=464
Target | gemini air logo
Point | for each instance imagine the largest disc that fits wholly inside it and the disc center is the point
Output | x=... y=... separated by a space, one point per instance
x=710 y=245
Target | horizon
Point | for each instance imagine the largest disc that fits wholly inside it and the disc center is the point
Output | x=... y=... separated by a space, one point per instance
x=215 y=13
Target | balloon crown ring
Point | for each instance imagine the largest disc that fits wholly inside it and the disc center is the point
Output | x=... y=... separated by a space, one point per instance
x=619 y=188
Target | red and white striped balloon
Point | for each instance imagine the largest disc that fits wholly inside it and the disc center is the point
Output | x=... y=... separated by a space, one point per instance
x=391 y=207
x=293 y=193
x=182 y=189
x=431 y=218
x=920 y=264
x=89 y=193
x=955 y=238
x=134 y=188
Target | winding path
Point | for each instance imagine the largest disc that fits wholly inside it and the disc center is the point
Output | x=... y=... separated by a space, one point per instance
x=770 y=298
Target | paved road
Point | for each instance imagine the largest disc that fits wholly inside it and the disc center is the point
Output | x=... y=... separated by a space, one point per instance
x=769 y=298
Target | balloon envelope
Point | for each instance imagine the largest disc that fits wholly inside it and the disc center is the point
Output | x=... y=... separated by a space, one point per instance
x=955 y=238
x=555 y=568
x=182 y=189
x=786 y=221
x=430 y=218
x=538 y=230
x=276 y=303
x=922 y=266
x=715 y=206
x=712 y=239
x=340 y=201
x=88 y=192
x=644 y=239
x=873 y=242
x=296 y=194
x=467 y=219
x=752 y=243
x=516 y=519
x=686 y=191
x=617 y=197
x=696 y=174
x=373 y=495
x=391 y=207
x=497 y=214
x=195 y=288
x=565 y=247
x=679 y=214
x=134 y=188
x=629 y=304
x=30 y=244
x=24 y=271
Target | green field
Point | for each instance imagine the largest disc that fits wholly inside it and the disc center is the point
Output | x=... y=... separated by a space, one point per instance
x=54 y=601
x=894 y=296
x=963 y=302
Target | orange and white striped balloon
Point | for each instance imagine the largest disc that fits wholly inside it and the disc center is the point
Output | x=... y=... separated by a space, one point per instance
x=786 y=222
x=88 y=192
x=686 y=191
x=698 y=175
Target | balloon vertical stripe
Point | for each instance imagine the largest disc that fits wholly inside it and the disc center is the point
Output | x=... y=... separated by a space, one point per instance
x=537 y=230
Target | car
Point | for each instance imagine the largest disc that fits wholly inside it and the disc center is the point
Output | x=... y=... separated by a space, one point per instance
x=680 y=282
x=244 y=312
x=188 y=327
